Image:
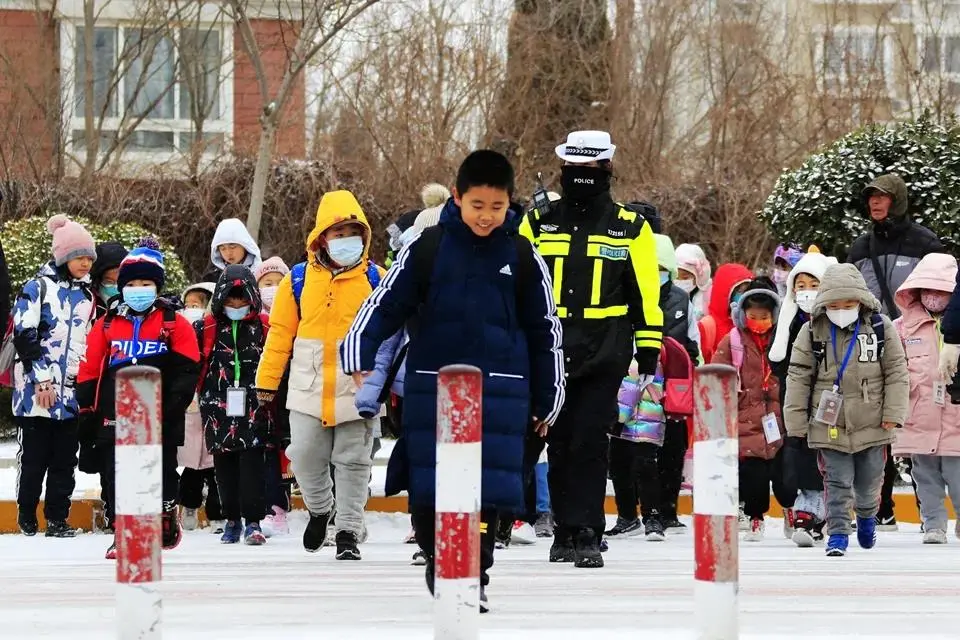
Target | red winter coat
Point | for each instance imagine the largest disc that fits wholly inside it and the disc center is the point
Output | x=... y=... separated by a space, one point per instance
x=719 y=323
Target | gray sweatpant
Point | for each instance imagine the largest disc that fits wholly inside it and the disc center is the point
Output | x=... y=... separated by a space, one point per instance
x=347 y=446
x=935 y=475
x=851 y=480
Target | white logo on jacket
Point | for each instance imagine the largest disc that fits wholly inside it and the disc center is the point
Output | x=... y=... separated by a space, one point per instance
x=869 y=348
x=506 y=270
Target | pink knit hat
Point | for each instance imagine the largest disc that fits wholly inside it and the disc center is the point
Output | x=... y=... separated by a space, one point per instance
x=271 y=265
x=70 y=240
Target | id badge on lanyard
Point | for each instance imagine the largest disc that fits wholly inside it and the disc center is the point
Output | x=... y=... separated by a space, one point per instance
x=831 y=402
x=236 y=395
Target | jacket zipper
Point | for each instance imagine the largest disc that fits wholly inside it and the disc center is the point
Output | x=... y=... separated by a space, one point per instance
x=66 y=353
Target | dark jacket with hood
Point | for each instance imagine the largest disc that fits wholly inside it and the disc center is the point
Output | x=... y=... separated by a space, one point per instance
x=897 y=243
x=219 y=352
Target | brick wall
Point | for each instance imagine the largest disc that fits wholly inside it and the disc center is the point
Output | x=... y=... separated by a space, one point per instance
x=29 y=93
x=291 y=139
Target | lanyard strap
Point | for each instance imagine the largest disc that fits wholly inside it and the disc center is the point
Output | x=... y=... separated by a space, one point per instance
x=939 y=333
x=236 y=357
x=846 y=357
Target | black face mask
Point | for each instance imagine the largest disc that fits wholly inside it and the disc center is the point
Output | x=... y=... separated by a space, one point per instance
x=581 y=182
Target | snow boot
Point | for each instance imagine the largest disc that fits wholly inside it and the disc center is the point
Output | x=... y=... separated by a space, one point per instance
x=28 y=523
x=232 y=532
x=544 y=525
x=837 y=545
x=625 y=528
x=316 y=532
x=347 y=546
x=562 y=548
x=170 y=531
x=587 y=550
x=253 y=535
x=867 y=532
x=60 y=529
x=653 y=528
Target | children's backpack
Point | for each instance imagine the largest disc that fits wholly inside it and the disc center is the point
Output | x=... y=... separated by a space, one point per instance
x=708 y=334
x=678 y=378
x=298 y=278
x=8 y=351
x=819 y=349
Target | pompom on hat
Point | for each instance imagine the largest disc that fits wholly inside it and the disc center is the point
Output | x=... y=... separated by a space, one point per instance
x=144 y=262
x=70 y=240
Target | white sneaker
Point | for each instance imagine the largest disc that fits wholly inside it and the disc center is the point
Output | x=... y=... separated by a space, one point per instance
x=275 y=523
x=523 y=533
x=216 y=527
x=935 y=536
x=755 y=534
x=189 y=520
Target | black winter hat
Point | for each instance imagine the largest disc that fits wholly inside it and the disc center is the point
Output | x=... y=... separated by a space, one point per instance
x=109 y=256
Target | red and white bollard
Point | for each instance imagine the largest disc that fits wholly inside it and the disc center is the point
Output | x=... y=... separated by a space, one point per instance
x=459 y=464
x=139 y=497
x=716 y=496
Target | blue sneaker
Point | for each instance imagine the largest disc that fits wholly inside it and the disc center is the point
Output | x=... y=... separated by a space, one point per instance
x=837 y=545
x=231 y=532
x=253 y=536
x=867 y=532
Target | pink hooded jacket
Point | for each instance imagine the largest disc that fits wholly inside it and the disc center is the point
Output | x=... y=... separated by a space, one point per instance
x=930 y=429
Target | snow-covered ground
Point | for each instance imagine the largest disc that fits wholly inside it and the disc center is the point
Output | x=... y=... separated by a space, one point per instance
x=63 y=588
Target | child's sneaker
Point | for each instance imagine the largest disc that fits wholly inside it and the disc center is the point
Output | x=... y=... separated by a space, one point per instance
x=653 y=528
x=806 y=531
x=60 y=529
x=190 y=519
x=673 y=526
x=587 y=554
x=755 y=534
x=253 y=535
x=170 y=531
x=886 y=523
x=316 y=532
x=28 y=524
x=523 y=533
x=789 y=523
x=503 y=535
x=837 y=545
x=216 y=527
x=562 y=548
x=625 y=528
x=275 y=524
x=347 y=546
x=867 y=532
x=419 y=558
x=544 y=525
x=232 y=531
x=935 y=536
x=111 y=551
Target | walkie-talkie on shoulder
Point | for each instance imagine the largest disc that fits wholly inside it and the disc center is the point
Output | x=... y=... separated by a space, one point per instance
x=541 y=201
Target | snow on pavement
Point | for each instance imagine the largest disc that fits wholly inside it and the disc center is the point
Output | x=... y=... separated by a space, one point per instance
x=64 y=588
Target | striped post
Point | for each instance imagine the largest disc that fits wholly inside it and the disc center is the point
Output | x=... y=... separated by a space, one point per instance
x=457 y=550
x=139 y=496
x=716 y=494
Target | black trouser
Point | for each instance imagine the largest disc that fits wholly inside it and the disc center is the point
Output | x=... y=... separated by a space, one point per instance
x=240 y=478
x=277 y=490
x=756 y=477
x=191 y=491
x=424 y=528
x=890 y=474
x=47 y=447
x=670 y=465
x=635 y=475
x=578 y=453
x=171 y=479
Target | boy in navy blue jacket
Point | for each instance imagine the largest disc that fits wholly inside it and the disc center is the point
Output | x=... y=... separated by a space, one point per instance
x=470 y=291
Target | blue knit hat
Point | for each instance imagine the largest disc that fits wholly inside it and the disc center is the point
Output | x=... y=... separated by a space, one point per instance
x=144 y=262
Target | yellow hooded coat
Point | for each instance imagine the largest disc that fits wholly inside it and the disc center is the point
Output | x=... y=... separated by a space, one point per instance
x=328 y=305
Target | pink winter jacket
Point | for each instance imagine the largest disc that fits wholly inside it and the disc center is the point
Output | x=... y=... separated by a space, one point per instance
x=193 y=454
x=930 y=429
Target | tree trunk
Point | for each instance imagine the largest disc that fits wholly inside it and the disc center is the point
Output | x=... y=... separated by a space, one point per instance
x=90 y=130
x=557 y=81
x=261 y=173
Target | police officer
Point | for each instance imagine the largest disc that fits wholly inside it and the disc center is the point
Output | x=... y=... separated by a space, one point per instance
x=606 y=285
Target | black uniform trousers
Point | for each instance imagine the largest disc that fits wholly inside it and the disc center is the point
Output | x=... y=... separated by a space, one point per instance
x=756 y=477
x=47 y=448
x=192 y=482
x=636 y=477
x=424 y=528
x=240 y=477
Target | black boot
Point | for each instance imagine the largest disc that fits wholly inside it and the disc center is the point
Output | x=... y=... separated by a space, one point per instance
x=587 y=550
x=60 y=529
x=171 y=533
x=28 y=523
x=316 y=532
x=347 y=546
x=562 y=548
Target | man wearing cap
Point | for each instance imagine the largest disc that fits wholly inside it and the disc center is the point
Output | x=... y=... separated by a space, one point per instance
x=886 y=255
x=603 y=262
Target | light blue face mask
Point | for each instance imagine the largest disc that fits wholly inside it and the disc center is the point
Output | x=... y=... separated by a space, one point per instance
x=139 y=298
x=346 y=252
x=664 y=277
x=108 y=291
x=237 y=313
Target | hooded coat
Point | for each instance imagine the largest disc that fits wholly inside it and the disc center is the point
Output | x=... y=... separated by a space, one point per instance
x=718 y=322
x=898 y=243
x=231 y=231
x=759 y=389
x=309 y=336
x=875 y=387
x=690 y=257
x=223 y=433
x=931 y=429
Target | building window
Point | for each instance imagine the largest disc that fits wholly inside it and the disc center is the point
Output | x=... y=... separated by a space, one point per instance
x=941 y=54
x=852 y=54
x=154 y=88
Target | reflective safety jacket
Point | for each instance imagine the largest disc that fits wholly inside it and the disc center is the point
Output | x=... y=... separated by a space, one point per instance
x=606 y=284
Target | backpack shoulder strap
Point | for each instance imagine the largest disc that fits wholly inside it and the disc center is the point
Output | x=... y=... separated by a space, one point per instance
x=736 y=348
x=169 y=324
x=298 y=277
x=373 y=275
x=819 y=349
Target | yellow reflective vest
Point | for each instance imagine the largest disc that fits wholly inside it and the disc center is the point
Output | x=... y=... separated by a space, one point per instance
x=606 y=284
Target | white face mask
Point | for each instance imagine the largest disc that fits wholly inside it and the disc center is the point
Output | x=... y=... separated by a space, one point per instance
x=805 y=299
x=193 y=314
x=268 y=295
x=686 y=285
x=346 y=252
x=843 y=317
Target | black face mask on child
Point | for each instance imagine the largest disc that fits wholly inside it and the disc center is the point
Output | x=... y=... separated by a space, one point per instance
x=582 y=182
